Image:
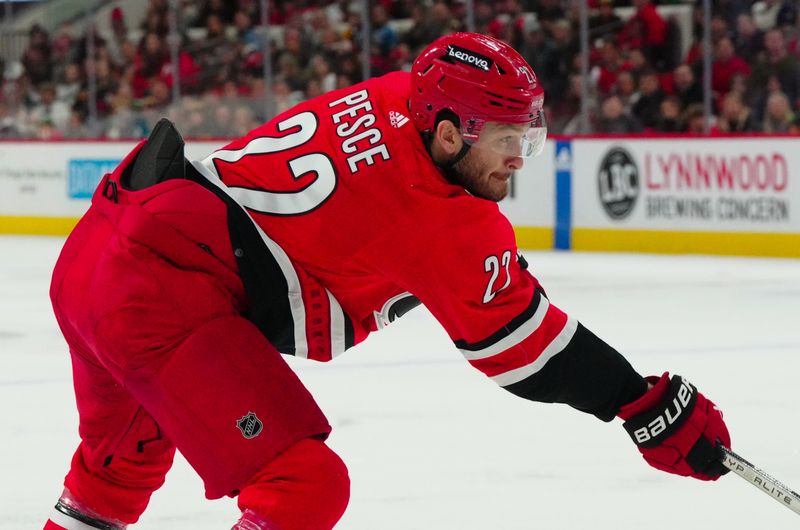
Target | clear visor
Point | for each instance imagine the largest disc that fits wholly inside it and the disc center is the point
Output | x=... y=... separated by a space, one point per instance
x=523 y=140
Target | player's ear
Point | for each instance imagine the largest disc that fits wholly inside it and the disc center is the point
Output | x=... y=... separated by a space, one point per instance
x=448 y=136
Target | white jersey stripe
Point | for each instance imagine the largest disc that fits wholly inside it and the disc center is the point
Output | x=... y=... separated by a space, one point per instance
x=554 y=348
x=270 y=144
x=338 y=334
x=207 y=169
x=512 y=339
x=64 y=520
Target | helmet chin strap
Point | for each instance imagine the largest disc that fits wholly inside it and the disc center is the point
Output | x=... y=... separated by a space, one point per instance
x=447 y=166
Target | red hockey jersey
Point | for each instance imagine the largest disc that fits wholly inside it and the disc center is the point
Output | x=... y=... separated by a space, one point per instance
x=359 y=224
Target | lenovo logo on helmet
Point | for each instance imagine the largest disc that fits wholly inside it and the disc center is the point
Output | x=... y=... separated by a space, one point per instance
x=470 y=58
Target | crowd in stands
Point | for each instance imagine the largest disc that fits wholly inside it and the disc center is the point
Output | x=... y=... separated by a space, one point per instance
x=641 y=79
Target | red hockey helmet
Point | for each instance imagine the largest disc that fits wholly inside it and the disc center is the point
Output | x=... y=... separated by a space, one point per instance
x=480 y=79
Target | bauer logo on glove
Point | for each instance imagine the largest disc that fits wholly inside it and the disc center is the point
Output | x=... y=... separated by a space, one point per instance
x=676 y=428
x=660 y=424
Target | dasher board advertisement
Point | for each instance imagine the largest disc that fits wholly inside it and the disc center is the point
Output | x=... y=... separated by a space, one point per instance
x=730 y=196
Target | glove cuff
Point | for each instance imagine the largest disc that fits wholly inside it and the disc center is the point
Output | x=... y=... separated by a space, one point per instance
x=650 y=399
x=652 y=426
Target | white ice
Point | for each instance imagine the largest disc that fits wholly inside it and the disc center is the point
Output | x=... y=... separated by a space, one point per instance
x=431 y=444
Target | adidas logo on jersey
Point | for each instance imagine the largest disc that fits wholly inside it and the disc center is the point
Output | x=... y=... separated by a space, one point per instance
x=397 y=120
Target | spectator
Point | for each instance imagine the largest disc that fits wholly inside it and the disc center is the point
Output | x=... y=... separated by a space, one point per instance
x=159 y=95
x=739 y=85
x=421 y=31
x=502 y=28
x=49 y=111
x=730 y=10
x=320 y=51
x=243 y=120
x=696 y=49
x=222 y=9
x=637 y=63
x=349 y=65
x=63 y=50
x=510 y=14
x=402 y=57
x=647 y=30
x=550 y=12
x=332 y=44
x=245 y=31
x=695 y=120
x=320 y=71
x=484 y=14
x=613 y=118
x=106 y=82
x=669 y=118
x=155 y=19
x=735 y=117
x=685 y=85
x=318 y=22
x=294 y=46
x=604 y=24
x=384 y=40
x=555 y=78
x=538 y=50
x=647 y=107
x=70 y=84
x=36 y=59
x=313 y=89
x=289 y=70
x=564 y=114
x=47 y=131
x=150 y=61
x=77 y=126
x=13 y=117
x=442 y=21
x=283 y=96
x=118 y=37
x=610 y=66
x=625 y=88
x=726 y=65
x=219 y=55
x=344 y=81
x=125 y=121
x=251 y=7
x=779 y=116
x=221 y=123
x=749 y=40
x=779 y=63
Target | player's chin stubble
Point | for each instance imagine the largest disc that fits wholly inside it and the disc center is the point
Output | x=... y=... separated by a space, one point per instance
x=477 y=180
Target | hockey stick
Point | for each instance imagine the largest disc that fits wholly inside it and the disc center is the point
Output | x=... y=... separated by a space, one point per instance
x=755 y=476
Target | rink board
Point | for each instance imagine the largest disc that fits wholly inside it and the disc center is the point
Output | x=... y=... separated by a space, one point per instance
x=677 y=195
x=734 y=196
x=47 y=186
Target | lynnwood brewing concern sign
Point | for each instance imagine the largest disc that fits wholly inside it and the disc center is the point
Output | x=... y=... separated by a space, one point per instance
x=747 y=185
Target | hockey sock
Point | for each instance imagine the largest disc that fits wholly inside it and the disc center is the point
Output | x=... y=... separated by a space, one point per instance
x=304 y=488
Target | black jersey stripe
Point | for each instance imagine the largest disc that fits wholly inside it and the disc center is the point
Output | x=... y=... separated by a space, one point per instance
x=266 y=287
x=506 y=330
x=587 y=374
x=349 y=332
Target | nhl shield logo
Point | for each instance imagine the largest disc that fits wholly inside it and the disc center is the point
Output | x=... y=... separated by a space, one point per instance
x=250 y=425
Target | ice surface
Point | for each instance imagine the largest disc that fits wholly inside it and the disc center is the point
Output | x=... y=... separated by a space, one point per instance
x=431 y=444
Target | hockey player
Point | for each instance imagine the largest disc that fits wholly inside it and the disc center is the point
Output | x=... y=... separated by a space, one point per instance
x=184 y=283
